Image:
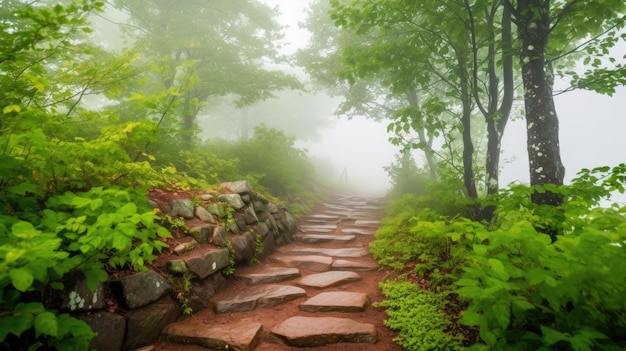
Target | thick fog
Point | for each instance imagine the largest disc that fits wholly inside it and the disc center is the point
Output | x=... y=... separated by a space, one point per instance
x=591 y=130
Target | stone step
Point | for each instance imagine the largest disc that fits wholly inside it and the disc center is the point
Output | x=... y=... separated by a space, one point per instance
x=313 y=262
x=358 y=231
x=336 y=301
x=347 y=252
x=318 y=331
x=351 y=265
x=324 y=238
x=325 y=217
x=265 y=275
x=244 y=336
x=257 y=296
x=318 y=228
x=328 y=279
x=367 y=223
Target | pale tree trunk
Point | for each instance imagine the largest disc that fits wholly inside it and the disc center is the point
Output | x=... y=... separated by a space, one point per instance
x=542 y=124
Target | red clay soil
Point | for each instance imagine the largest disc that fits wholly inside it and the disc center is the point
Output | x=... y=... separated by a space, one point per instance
x=272 y=316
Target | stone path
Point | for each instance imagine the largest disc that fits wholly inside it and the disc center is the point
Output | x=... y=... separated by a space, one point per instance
x=315 y=293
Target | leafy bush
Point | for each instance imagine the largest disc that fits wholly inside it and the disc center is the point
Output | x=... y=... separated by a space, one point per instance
x=526 y=294
x=80 y=234
x=419 y=316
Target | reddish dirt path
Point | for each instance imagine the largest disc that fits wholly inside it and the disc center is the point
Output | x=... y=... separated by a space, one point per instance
x=270 y=317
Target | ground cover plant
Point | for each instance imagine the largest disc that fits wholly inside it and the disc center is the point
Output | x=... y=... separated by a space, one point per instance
x=507 y=285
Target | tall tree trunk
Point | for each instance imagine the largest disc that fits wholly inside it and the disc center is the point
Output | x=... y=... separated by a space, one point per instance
x=542 y=123
x=411 y=95
x=468 y=147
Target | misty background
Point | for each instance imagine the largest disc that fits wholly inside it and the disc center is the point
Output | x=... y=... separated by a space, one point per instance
x=355 y=151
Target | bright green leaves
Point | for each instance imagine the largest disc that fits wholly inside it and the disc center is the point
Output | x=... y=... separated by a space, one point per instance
x=21 y=278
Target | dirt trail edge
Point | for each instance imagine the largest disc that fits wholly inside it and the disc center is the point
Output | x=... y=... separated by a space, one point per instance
x=313 y=294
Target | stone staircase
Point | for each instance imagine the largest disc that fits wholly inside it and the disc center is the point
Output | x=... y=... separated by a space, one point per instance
x=314 y=293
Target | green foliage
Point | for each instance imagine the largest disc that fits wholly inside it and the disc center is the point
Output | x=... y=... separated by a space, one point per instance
x=273 y=163
x=230 y=269
x=182 y=287
x=526 y=294
x=418 y=316
x=258 y=249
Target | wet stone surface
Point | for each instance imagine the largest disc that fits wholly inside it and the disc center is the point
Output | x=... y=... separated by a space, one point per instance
x=258 y=275
x=336 y=301
x=312 y=262
x=319 y=331
x=347 y=252
x=324 y=238
x=260 y=296
x=328 y=279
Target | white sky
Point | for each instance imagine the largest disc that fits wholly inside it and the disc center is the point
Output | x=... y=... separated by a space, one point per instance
x=592 y=130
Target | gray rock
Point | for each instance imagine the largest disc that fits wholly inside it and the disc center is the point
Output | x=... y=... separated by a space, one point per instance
x=319 y=331
x=237 y=187
x=203 y=290
x=336 y=301
x=240 y=336
x=250 y=216
x=233 y=227
x=258 y=206
x=350 y=265
x=272 y=208
x=216 y=209
x=328 y=279
x=140 y=289
x=184 y=208
x=185 y=247
x=240 y=219
x=269 y=246
x=219 y=236
x=79 y=298
x=205 y=197
x=359 y=231
x=201 y=233
x=367 y=223
x=204 y=215
x=203 y=265
x=246 y=198
x=312 y=262
x=324 y=238
x=233 y=200
x=265 y=275
x=110 y=327
x=347 y=252
x=262 y=229
x=245 y=247
x=144 y=325
x=258 y=296
x=176 y=267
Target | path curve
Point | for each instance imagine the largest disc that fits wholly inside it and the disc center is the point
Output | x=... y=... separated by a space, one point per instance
x=313 y=294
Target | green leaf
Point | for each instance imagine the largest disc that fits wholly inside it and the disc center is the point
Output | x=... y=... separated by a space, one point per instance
x=21 y=278
x=551 y=336
x=498 y=268
x=46 y=324
x=127 y=210
x=11 y=108
x=24 y=230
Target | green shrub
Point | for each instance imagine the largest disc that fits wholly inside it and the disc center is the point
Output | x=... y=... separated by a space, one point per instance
x=418 y=316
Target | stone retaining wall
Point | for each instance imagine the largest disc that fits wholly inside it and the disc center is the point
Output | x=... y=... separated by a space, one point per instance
x=130 y=312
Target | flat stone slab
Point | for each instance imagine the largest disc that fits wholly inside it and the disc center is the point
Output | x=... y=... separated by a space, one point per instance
x=313 y=262
x=328 y=279
x=244 y=336
x=258 y=275
x=319 y=331
x=324 y=238
x=366 y=223
x=358 y=231
x=347 y=252
x=318 y=228
x=336 y=301
x=325 y=217
x=260 y=296
x=350 y=265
